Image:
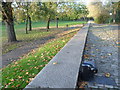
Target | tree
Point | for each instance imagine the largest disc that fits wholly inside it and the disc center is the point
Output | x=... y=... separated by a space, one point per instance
x=7 y=13
x=96 y=10
x=49 y=12
x=116 y=11
x=0 y=12
x=22 y=14
x=72 y=11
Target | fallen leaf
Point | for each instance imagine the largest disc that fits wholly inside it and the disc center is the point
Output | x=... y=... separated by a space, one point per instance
x=26 y=73
x=12 y=80
x=13 y=86
x=109 y=54
x=19 y=77
x=107 y=74
x=117 y=42
x=28 y=60
x=18 y=85
x=41 y=65
x=55 y=63
x=97 y=49
x=31 y=79
x=63 y=40
x=27 y=81
x=35 y=56
x=6 y=86
x=83 y=84
x=86 y=56
x=35 y=67
x=16 y=62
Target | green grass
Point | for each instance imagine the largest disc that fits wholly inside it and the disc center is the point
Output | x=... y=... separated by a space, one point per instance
x=27 y=38
x=18 y=74
x=43 y=24
x=33 y=35
x=20 y=28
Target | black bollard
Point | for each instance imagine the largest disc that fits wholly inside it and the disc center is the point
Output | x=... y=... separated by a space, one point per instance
x=88 y=70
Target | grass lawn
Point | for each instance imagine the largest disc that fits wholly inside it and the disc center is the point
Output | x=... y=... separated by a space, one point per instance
x=37 y=33
x=20 y=28
x=18 y=74
x=43 y=24
x=27 y=38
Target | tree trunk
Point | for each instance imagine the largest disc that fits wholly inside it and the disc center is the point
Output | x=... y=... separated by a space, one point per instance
x=27 y=17
x=57 y=23
x=11 y=32
x=30 y=23
x=26 y=26
x=48 y=24
x=8 y=18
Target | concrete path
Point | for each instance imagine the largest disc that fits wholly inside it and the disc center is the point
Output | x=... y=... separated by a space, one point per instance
x=102 y=46
x=62 y=71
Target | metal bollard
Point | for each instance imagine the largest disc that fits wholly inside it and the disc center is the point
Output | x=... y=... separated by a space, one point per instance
x=88 y=70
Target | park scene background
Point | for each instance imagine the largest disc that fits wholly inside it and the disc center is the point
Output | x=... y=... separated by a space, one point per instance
x=44 y=28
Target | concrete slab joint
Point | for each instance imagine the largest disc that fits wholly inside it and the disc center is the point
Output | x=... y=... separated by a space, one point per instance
x=62 y=71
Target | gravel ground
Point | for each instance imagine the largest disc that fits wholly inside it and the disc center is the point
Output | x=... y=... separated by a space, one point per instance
x=102 y=46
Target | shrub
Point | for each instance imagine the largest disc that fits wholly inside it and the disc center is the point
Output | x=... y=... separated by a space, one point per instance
x=101 y=19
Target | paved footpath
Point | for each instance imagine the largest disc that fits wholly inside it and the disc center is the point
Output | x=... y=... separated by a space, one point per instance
x=17 y=53
x=102 y=46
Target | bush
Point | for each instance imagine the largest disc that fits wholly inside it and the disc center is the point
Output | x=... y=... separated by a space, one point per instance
x=101 y=19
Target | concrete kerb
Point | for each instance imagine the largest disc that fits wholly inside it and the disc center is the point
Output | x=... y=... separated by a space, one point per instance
x=62 y=71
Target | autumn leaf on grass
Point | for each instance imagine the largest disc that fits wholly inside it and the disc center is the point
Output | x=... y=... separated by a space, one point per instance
x=63 y=40
x=41 y=65
x=33 y=60
x=18 y=85
x=19 y=77
x=12 y=80
x=27 y=81
x=31 y=79
x=13 y=86
x=36 y=67
x=28 y=64
x=45 y=60
x=16 y=69
x=35 y=56
x=28 y=60
x=6 y=86
x=26 y=73
x=9 y=83
x=16 y=62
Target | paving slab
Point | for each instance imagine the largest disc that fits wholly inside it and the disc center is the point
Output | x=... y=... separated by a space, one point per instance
x=62 y=70
x=102 y=47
